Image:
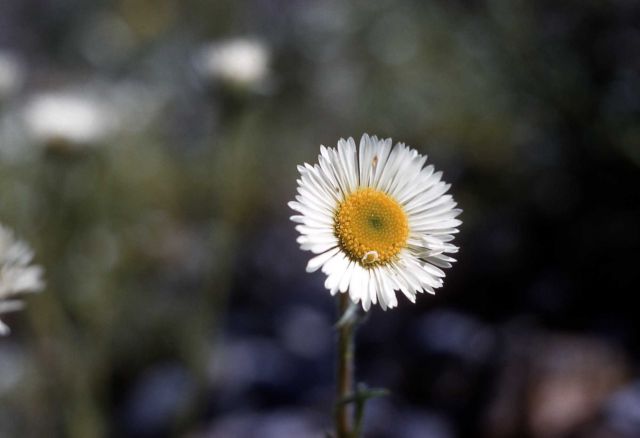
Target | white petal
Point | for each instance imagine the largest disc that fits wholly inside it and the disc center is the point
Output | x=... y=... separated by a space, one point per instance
x=315 y=263
x=355 y=293
x=370 y=290
x=318 y=248
x=346 y=277
x=366 y=161
x=376 y=290
x=333 y=280
x=387 y=288
x=433 y=270
x=400 y=285
x=364 y=290
x=382 y=150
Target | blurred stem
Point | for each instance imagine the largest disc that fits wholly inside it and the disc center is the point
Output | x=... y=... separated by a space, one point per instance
x=360 y=398
x=344 y=370
x=359 y=416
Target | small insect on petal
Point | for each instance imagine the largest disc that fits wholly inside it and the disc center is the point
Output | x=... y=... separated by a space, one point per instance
x=370 y=257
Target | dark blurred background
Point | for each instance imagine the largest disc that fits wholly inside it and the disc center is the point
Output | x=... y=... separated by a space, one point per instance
x=147 y=152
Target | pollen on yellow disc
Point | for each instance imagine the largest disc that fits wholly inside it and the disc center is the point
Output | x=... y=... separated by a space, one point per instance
x=371 y=226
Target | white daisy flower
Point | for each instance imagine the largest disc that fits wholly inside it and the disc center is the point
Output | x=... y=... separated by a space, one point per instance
x=378 y=220
x=17 y=274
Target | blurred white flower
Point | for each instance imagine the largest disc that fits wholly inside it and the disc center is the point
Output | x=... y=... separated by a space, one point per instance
x=68 y=119
x=10 y=74
x=238 y=62
x=17 y=274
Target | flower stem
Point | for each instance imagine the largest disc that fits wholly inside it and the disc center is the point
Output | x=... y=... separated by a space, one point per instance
x=344 y=371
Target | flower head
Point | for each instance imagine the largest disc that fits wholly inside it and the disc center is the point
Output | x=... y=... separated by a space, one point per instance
x=241 y=62
x=378 y=220
x=17 y=274
x=68 y=120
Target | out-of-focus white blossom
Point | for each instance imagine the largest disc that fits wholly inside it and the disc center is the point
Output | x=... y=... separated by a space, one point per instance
x=68 y=119
x=17 y=275
x=10 y=74
x=241 y=62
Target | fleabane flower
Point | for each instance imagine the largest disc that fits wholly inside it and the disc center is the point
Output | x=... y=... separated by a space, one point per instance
x=378 y=220
x=17 y=274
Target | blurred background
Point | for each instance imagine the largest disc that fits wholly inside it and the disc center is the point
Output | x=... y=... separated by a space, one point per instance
x=147 y=152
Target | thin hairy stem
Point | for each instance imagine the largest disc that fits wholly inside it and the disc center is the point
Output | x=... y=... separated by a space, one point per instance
x=344 y=371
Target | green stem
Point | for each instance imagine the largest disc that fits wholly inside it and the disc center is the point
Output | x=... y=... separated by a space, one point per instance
x=359 y=415
x=344 y=371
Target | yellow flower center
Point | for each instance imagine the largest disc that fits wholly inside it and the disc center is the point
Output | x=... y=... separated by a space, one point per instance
x=371 y=226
